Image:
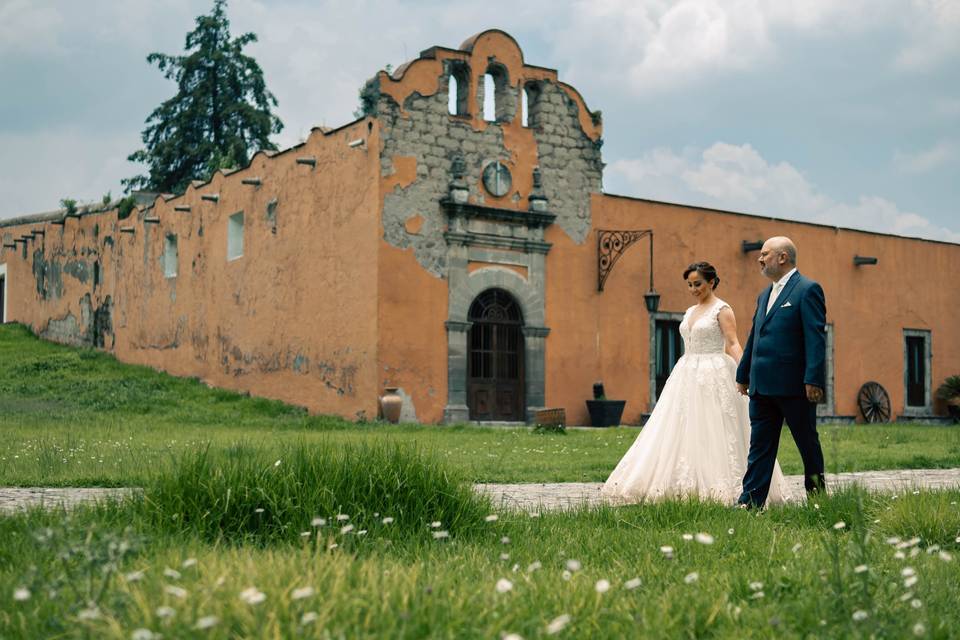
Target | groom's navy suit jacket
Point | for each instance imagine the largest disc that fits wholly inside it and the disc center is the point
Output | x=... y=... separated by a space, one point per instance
x=787 y=347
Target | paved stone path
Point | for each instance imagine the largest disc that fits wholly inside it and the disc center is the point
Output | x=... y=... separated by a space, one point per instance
x=526 y=496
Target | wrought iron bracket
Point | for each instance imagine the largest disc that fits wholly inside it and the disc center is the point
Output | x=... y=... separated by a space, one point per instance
x=611 y=244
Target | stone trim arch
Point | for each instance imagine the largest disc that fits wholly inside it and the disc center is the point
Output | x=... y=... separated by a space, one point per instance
x=529 y=295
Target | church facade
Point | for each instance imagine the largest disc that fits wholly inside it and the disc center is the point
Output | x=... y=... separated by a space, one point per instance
x=459 y=249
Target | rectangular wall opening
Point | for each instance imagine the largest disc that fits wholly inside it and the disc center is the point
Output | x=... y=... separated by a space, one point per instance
x=917 y=356
x=170 y=256
x=3 y=293
x=666 y=347
x=235 y=236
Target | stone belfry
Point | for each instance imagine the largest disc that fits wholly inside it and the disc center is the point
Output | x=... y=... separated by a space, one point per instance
x=471 y=186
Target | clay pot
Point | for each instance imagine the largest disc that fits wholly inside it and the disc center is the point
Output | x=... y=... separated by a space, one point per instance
x=390 y=404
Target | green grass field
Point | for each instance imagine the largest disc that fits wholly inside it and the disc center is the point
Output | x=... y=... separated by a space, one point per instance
x=237 y=535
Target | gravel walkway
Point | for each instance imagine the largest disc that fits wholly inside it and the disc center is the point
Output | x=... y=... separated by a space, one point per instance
x=526 y=496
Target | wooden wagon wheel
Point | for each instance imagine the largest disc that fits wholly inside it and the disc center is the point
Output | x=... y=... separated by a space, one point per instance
x=874 y=402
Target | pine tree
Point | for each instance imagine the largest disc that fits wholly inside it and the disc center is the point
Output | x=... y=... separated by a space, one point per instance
x=220 y=116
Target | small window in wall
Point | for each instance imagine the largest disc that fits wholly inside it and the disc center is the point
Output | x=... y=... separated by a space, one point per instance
x=235 y=236
x=458 y=86
x=525 y=109
x=917 y=355
x=531 y=105
x=666 y=347
x=170 y=256
x=827 y=407
x=489 y=98
x=3 y=293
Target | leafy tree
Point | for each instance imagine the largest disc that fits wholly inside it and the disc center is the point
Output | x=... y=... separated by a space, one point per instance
x=220 y=116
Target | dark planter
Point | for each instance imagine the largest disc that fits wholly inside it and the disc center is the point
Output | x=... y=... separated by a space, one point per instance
x=605 y=413
x=954 y=411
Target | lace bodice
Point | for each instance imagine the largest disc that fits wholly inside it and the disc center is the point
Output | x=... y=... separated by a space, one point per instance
x=703 y=335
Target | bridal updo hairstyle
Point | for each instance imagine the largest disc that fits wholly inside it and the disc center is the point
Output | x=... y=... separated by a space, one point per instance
x=706 y=270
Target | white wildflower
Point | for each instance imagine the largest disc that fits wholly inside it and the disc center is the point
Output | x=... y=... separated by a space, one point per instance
x=933 y=548
x=756 y=586
x=566 y=575
x=301 y=593
x=906 y=596
x=504 y=585
x=900 y=555
x=860 y=568
x=91 y=613
x=909 y=582
x=436 y=524
x=536 y=565
x=362 y=532
x=908 y=571
x=557 y=624
x=440 y=535
x=840 y=525
x=308 y=617
x=504 y=556
x=342 y=516
x=257 y=510
x=730 y=531
x=21 y=594
x=796 y=547
x=304 y=534
x=276 y=464
x=687 y=536
x=173 y=574
x=816 y=506
x=915 y=603
x=893 y=540
x=512 y=636
x=704 y=538
x=690 y=578
x=133 y=576
x=631 y=584
x=946 y=557
x=860 y=614
x=505 y=540
x=318 y=522
x=332 y=545
x=345 y=529
x=175 y=591
x=919 y=629
x=165 y=612
x=602 y=586
x=574 y=565
x=189 y=562
x=492 y=517
x=207 y=622
x=757 y=595
x=387 y=520
x=142 y=634
x=667 y=551
x=252 y=595
x=914 y=552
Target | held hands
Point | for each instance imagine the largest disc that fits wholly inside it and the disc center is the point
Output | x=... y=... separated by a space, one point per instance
x=814 y=393
x=742 y=388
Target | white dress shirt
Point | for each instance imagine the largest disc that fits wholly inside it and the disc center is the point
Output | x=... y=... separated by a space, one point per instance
x=778 y=287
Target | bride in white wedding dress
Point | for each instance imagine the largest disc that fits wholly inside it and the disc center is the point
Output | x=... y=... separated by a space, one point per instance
x=696 y=441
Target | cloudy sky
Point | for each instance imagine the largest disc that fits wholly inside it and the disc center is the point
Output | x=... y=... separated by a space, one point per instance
x=846 y=113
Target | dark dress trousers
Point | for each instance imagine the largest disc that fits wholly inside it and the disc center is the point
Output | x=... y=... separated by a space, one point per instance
x=786 y=350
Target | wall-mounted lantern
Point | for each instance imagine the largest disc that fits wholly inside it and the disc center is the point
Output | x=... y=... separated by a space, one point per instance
x=610 y=246
x=747 y=246
x=862 y=260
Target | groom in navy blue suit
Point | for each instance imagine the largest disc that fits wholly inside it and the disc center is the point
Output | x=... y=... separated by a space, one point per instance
x=782 y=370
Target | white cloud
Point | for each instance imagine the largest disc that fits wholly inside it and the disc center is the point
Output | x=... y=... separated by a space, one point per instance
x=927 y=160
x=738 y=178
x=934 y=28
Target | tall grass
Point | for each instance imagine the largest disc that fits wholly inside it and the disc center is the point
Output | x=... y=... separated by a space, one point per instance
x=242 y=495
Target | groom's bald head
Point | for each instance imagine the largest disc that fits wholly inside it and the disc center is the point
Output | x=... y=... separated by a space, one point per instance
x=777 y=257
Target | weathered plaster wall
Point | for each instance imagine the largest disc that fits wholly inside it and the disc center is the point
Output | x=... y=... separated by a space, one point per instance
x=605 y=335
x=294 y=318
x=56 y=282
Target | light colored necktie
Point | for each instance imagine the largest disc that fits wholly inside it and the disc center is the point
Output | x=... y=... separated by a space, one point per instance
x=773 y=296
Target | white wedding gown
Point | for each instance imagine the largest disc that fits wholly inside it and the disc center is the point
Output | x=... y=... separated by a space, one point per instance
x=696 y=441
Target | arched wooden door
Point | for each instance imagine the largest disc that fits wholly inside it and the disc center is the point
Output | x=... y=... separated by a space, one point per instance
x=495 y=379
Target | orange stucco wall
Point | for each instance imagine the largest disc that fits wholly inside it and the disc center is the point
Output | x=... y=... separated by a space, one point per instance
x=294 y=318
x=605 y=335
